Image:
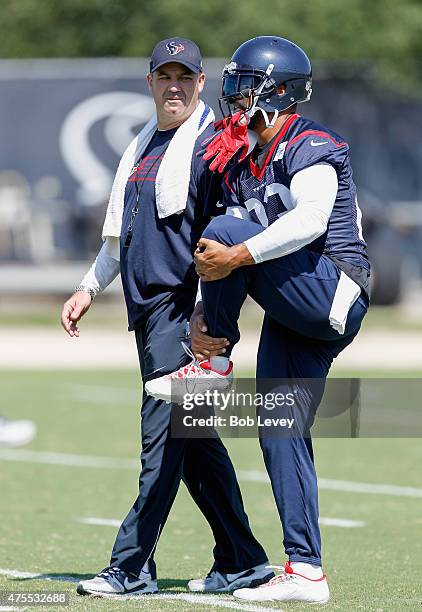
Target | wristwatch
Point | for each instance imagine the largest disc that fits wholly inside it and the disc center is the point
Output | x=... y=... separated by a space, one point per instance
x=91 y=292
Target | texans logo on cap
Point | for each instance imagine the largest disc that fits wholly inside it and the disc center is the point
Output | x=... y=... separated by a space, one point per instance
x=173 y=48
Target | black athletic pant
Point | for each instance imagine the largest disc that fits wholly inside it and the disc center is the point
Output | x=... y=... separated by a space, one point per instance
x=203 y=464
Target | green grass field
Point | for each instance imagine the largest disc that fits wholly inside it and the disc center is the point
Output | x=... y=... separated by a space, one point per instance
x=374 y=567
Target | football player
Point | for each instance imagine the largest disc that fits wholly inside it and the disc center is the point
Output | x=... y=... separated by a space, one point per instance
x=291 y=239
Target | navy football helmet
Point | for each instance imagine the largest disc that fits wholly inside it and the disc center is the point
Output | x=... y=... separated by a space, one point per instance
x=255 y=71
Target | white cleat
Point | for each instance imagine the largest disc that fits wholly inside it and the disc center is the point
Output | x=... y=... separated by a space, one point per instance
x=113 y=581
x=16 y=433
x=288 y=586
x=218 y=582
x=194 y=378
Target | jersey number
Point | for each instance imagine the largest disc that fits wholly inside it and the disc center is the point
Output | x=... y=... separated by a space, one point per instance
x=275 y=189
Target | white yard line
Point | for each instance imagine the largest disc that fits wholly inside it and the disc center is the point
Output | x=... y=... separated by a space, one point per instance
x=323 y=520
x=15 y=574
x=341 y=485
x=366 y=487
x=216 y=601
x=90 y=461
x=251 y=475
x=339 y=522
x=30 y=575
x=93 y=520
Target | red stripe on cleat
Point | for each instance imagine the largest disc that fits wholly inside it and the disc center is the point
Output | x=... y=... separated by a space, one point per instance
x=289 y=570
x=206 y=365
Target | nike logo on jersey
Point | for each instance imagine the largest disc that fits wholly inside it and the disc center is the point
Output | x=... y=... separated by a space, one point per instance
x=280 y=151
x=318 y=144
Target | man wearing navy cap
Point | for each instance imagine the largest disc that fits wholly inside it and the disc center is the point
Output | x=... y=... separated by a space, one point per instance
x=162 y=199
x=181 y=50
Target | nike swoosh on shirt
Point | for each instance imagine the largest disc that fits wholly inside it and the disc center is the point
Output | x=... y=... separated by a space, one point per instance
x=318 y=144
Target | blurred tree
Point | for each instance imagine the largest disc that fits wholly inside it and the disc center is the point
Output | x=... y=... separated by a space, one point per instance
x=384 y=34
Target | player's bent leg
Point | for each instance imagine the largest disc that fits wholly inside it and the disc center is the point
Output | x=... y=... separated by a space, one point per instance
x=231 y=230
x=297 y=290
x=223 y=299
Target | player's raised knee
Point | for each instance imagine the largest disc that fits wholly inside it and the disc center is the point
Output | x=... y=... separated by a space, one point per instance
x=221 y=229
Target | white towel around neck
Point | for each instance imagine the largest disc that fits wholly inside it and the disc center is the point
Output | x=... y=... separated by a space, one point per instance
x=173 y=177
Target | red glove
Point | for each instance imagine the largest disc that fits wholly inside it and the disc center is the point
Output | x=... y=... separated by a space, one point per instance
x=232 y=138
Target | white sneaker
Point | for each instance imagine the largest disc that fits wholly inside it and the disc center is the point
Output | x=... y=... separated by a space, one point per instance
x=194 y=378
x=217 y=582
x=113 y=581
x=288 y=586
x=16 y=433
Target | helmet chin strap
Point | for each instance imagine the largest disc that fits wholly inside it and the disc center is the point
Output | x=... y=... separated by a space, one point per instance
x=269 y=123
x=254 y=108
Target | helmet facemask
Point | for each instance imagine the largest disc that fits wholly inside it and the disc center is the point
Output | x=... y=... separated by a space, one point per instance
x=242 y=90
x=256 y=90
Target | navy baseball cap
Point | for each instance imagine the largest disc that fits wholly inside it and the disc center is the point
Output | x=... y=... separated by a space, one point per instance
x=180 y=50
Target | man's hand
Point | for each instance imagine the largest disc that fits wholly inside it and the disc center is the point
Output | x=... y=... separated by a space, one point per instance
x=214 y=260
x=203 y=346
x=73 y=310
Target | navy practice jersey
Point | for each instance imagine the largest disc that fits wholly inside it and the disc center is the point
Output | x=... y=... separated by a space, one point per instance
x=158 y=262
x=265 y=191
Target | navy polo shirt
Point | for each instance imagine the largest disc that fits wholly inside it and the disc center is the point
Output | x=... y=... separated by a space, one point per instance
x=158 y=263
